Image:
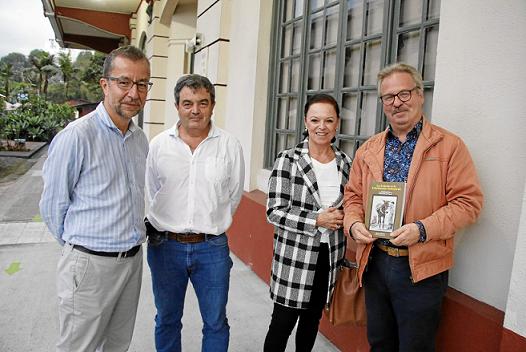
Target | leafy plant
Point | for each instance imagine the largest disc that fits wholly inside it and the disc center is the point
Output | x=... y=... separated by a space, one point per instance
x=36 y=120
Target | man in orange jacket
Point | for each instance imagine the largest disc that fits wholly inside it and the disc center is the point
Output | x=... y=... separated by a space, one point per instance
x=405 y=278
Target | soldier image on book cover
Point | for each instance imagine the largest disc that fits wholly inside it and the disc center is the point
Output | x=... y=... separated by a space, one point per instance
x=384 y=208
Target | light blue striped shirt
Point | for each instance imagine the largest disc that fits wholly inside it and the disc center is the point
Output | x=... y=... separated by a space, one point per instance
x=94 y=184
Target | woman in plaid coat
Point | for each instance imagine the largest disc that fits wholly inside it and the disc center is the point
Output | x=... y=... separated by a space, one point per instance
x=304 y=204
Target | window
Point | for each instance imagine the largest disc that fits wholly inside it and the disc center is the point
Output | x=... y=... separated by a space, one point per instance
x=338 y=47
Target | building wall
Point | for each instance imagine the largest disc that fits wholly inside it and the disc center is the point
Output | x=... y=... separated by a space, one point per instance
x=156 y=49
x=478 y=88
x=478 y=95
x=182 y=29
x=211 y=59
x=515 y=319
x=246 y=101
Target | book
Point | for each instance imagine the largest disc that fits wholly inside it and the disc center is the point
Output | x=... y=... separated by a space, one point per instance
x=385 y=208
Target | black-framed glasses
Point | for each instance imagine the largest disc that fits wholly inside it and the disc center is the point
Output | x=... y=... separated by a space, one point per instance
x=127 y=84
x=403 y=95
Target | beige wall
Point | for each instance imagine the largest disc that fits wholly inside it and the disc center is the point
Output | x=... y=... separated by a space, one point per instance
x=478 y=91
x=211 y=59
x=182 y=29
x=479 y=94
x=246 y=103
x=173 y=23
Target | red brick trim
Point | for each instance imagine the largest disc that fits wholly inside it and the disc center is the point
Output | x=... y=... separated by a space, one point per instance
x=467 y=325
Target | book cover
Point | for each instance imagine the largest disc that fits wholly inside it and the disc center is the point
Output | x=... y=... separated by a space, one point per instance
x=385 y=208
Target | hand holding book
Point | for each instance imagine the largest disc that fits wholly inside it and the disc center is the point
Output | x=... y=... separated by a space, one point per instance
x=360 y=234
x=406 y=235
x=385 y=208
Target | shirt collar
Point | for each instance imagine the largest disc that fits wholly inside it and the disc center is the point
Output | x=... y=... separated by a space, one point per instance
x=213 y=132
x=414 y=133
x=108 y=122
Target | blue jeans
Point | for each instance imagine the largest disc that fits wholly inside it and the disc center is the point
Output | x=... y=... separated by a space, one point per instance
x=207 y=264
x=401 y=315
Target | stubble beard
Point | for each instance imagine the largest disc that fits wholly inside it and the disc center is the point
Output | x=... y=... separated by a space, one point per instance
x=126 y=114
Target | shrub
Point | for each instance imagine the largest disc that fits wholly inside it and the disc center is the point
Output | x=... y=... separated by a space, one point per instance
x=36 y=120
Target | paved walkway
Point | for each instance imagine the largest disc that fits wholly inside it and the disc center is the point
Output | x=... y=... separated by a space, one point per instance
x=28 y=314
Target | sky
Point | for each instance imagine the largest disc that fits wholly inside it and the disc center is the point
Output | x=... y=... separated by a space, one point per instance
x=23 y=28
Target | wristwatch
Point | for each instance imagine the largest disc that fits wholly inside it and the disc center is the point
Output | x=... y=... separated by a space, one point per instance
x=422 y=230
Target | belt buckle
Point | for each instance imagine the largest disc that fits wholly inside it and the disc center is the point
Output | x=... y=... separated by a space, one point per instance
x=126 y=254
x=394 y=252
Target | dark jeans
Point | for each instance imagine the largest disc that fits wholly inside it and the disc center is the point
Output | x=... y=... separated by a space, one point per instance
x=284 y=318
x=401 y=315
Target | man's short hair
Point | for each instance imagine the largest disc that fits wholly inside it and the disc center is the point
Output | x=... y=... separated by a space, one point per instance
x=400 y=67
x=194 y=82
x=129 y=52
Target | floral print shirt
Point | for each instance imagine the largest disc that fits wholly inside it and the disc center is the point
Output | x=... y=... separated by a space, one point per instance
x=398 y=155
x=397 y=159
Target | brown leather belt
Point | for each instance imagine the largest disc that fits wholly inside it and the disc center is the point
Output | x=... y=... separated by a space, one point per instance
x=187 y=237
x=393 y=251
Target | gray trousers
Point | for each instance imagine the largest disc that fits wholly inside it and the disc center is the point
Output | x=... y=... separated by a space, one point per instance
x=97 y=301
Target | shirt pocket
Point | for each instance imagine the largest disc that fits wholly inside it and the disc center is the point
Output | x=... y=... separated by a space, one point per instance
x=216 y=170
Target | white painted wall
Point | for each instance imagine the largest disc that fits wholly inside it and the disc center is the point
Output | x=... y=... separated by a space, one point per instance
x=248 y=81
x=479 y=95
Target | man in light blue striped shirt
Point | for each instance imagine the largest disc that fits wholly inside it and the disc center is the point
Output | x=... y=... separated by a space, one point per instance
x=93 y=203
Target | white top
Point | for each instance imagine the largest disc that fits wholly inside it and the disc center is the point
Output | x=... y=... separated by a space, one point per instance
x=329 y=187
x=194 y=192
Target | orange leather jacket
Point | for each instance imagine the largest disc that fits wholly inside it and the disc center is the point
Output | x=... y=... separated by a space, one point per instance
x=443 y=192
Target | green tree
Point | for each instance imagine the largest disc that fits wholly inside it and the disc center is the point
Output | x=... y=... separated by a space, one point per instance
x=66 y=67
x=6 y=72
x=2 y=109
x=20 y=64
x=49 y=71
x=44 y=63
x=57 y=78
x=90 y=71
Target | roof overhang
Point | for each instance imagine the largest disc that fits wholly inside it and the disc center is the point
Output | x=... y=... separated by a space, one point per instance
x=91 y=24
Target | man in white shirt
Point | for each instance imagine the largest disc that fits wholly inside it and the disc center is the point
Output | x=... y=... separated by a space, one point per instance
x=194 y=181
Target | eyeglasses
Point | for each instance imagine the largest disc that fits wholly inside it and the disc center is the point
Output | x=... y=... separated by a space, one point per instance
x=403 y=95
x=127 y=84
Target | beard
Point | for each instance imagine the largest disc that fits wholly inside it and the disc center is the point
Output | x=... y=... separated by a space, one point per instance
x=128 y=111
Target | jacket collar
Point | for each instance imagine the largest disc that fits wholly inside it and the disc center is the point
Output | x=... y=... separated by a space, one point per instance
x=429 y=136
x=305 y=168
x=374 y=155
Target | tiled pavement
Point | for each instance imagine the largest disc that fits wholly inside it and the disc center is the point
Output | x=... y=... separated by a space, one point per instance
x=24 y=232
x=28 y=314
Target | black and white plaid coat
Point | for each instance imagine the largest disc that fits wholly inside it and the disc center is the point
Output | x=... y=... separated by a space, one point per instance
x=292 y=207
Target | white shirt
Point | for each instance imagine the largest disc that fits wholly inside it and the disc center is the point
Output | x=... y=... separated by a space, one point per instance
x=329 y=187
x=194 y=192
